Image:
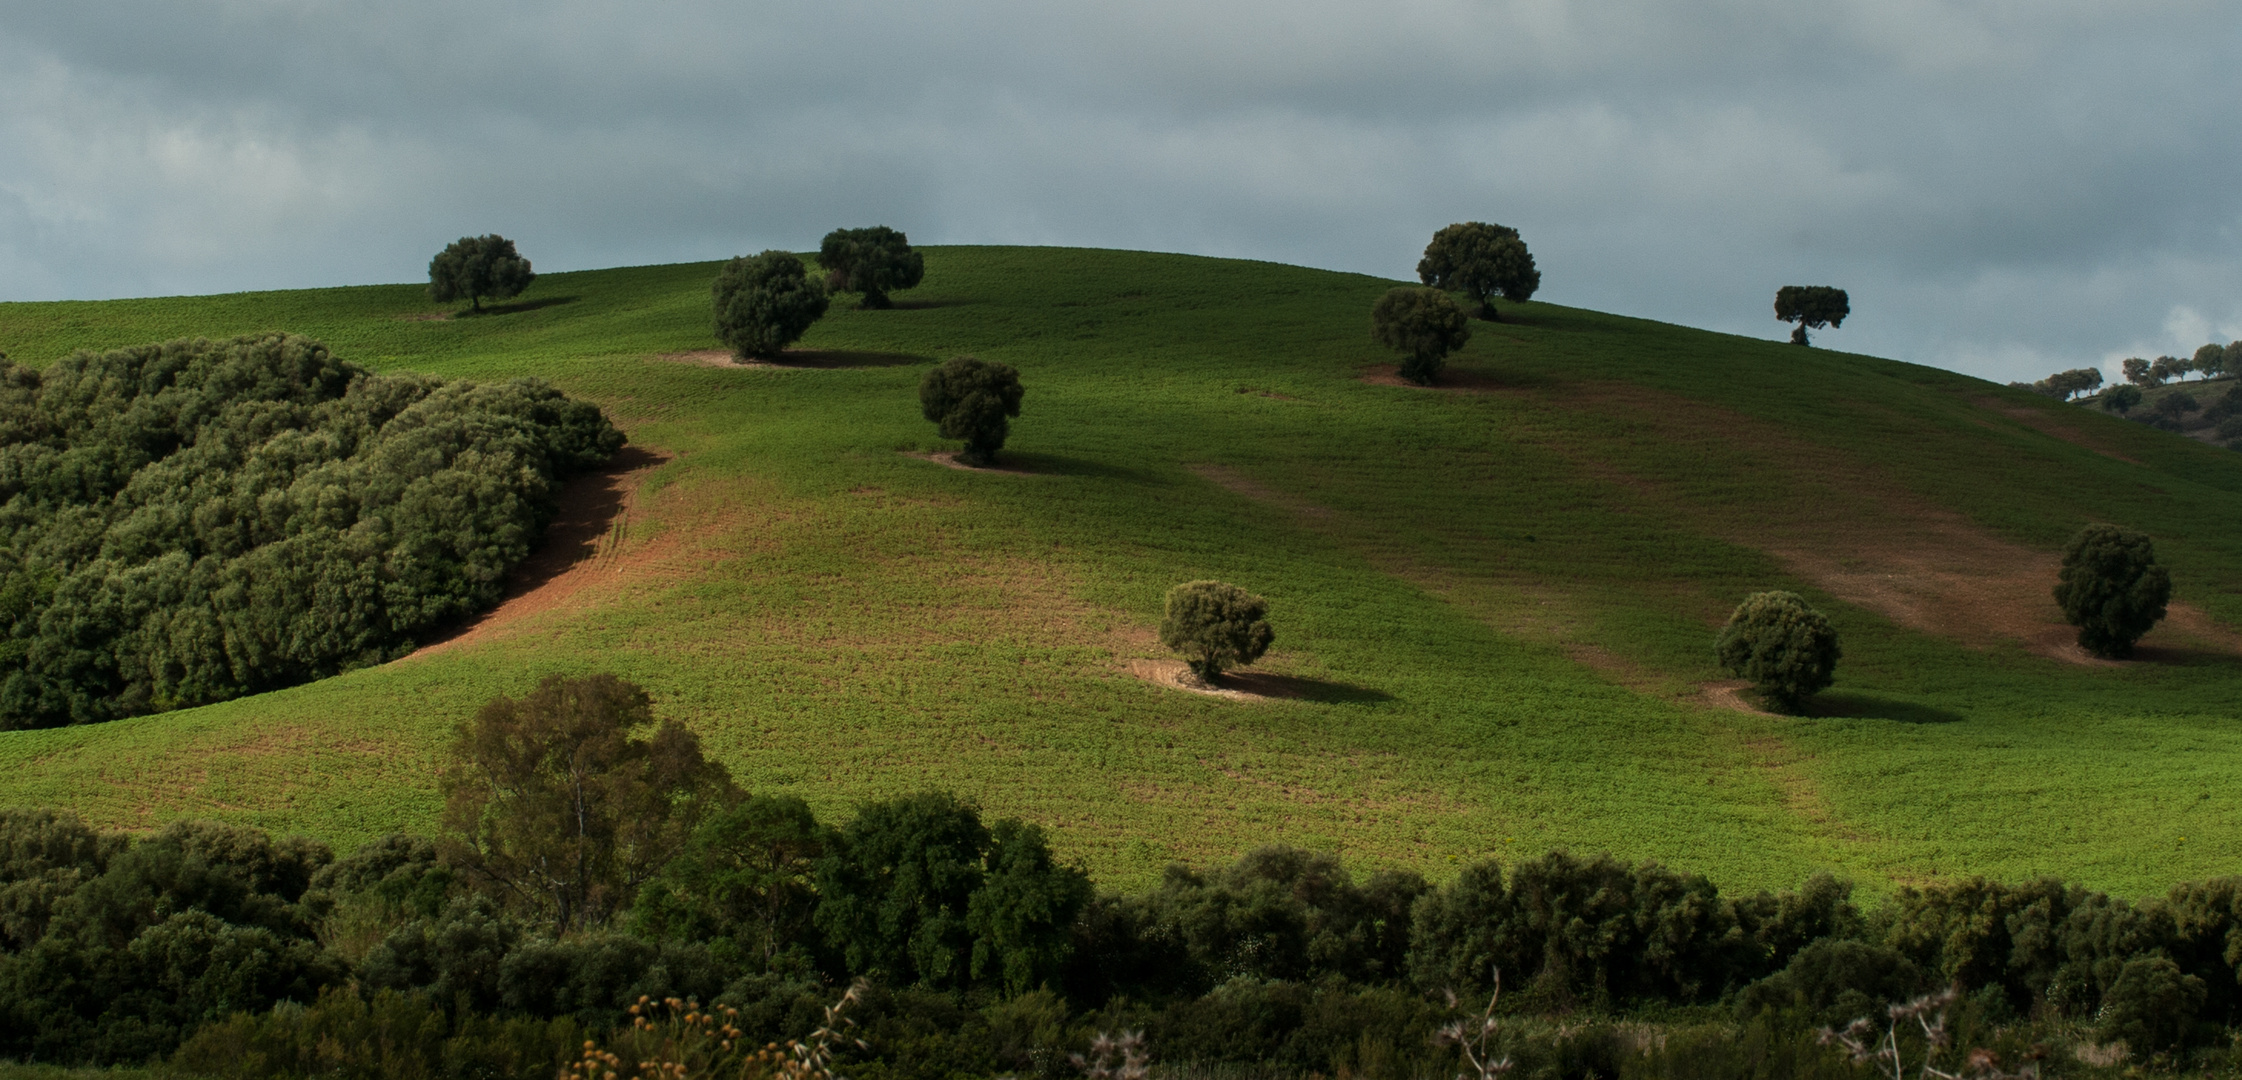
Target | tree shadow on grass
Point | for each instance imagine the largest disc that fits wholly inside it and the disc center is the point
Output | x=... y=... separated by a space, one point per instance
x=900 y=304
x=1061 y=465
x=1852 y=705
x=2174 y=656
x=829 y=359
x=516 y=307
x=1271 y=685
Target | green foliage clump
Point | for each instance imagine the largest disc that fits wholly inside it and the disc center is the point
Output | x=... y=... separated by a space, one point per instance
x=1215 y=625
x=554 y=806
x=2122 y=400
x=765 y=303
x=2111 y=588
x=1812 y=306
x=474 y=267
x=970 y=399
x=1787 y=649
x=188 y=522
x=1480 y=260
x=746 y=883
x=1424 y=326
x=2065 y=385
x=386 y=1035
x=874 y=261
x=917 y=891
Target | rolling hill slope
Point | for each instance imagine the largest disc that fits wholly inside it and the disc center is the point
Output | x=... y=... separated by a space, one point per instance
x=1494 y=600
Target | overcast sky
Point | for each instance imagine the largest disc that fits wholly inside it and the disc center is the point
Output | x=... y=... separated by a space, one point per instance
x=2006 y=187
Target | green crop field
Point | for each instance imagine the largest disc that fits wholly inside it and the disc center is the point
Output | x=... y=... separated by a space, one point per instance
x=1494 y=601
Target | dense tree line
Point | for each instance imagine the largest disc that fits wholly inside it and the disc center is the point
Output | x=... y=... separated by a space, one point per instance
x=980 y=948
x=187 y=522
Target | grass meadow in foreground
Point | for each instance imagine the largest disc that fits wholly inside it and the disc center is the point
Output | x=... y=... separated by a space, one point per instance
x=1494 y=601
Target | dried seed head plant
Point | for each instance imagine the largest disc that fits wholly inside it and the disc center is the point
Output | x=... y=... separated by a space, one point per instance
x=677 y=1039
x=1929 y=1013
x=1475 y=1037
x=1115 y=1057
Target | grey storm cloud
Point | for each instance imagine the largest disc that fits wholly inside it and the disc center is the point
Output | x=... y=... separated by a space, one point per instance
x=2006 y=186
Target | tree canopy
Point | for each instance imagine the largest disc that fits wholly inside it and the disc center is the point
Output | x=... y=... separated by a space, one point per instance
x=1424 y=326
x=873 y=261
x=188 y=522
x=558 y=805
x=1215 y=625
x=1480 y=260
x=1811 y=305
x=2111 y=588
x=474 y=267
x=1787 y=649
x=970 y=399
x=765 y=303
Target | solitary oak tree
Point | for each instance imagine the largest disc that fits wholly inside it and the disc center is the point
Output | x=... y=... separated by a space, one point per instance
x=1215 y=625
x=874 y=261
x=765 y=303
x=1787 y=649
x=2111 y=588
x=1811 y=305
x=970 y=399
x=474 y=267
x=1480 y=260
x=1424 y=326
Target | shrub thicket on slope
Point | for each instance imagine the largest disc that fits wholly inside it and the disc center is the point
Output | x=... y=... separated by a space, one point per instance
x=188 y=522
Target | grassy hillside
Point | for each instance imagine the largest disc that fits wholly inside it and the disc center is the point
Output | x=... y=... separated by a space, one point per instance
x=1494 y=601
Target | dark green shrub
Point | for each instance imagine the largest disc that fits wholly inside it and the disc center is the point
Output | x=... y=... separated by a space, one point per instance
x=2122 y=400
x=918 y=891
x=188 y=522
x=969 y=399
x=455 y=957
x=1787 y=650
x=1818 y=306
x=1480 y=260
x=874 y=261
x=1424 y=326
x=1285 y=914
x=2152 y=1006
x=387 y=1036
x=2177 y=404
x=765 y=303
x=1215 y=625
x=1832 y=981
x=2111 y=588
x=745 y=884
x=45 y=856
x=474 y=267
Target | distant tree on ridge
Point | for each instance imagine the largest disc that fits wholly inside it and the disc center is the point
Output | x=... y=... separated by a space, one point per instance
x=474 y=267
x=1811 y=305
x=1424 y=326
x=1480 y=260
x=874 y=261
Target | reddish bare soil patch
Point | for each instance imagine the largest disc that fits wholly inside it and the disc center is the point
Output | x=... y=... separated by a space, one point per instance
x=585 y=544
x=796 y=359
x=1730 y=695
x=1235 y=685
x=2039 y=420
x=425 y=316
x=1451 y=379
x=950 y=458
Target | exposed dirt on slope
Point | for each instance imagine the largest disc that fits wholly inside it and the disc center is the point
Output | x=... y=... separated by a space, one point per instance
x=2039 y=420
x=587 y=543
x=1450 y=379
x=950 y=459
x=797 y=359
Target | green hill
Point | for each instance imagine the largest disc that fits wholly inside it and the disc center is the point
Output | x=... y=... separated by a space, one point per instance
x=1494 y=600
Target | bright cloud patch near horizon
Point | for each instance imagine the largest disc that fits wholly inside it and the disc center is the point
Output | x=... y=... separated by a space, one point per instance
x=2005 y=187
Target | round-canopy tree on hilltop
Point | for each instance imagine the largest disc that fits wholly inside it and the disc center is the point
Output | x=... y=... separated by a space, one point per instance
x=1480 y=260
x=765 y=303
x=1424 y=326
x=971 y=398
x=189 y=522
x=1787 y=649
x=1215 y=625
x=874 y=261
x=2111 y=588
x=1811 y=305
x=474 y=267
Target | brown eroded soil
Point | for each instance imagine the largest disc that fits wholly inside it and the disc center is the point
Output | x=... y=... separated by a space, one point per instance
x=587 y=543
x=950 y=458
x=1451 y=379
x=796 y=359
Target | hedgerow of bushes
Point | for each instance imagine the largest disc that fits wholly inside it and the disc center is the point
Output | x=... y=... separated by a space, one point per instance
x=205 y=942
x=192 y=521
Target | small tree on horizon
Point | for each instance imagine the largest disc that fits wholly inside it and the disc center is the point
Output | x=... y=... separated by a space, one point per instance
x=874 y=261
x=1787 y=649
x=2111 y=588
x=1424 y=325
x=474 y=267
x=765 y=303
x=971 y=399
x=2122 y=399
x=1480 y=260
x=553 y=805
x=1215 y=625
x=1811 y=305
x=2141 y=373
